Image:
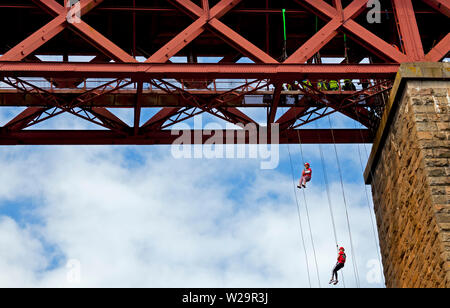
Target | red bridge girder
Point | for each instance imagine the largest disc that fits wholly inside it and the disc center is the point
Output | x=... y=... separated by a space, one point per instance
x=228 y=30
x=65 y=137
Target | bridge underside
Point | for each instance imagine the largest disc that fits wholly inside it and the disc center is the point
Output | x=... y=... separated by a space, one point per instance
x=181 y=59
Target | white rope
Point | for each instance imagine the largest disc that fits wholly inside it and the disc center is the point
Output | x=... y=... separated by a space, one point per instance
x=370 y=209
x=299 y=217
x=355 y=267
x=325 y=176
x=307 y=213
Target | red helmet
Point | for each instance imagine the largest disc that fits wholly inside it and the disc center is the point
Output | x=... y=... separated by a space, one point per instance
x=342 y=248
x=307 y=164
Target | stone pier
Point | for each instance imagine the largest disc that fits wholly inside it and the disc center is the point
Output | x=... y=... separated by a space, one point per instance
x=409 y=172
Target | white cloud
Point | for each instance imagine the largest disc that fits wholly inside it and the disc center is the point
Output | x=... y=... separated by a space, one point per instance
x=21 y=257
x=167 y=223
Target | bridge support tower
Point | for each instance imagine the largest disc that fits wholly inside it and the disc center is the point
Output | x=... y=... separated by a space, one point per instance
x=409 y=172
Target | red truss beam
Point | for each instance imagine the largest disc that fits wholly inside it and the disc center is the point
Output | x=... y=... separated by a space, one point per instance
x=276 y=100
x=46 y=137
x=210 y=18
x=176 y=82
x=442 y=6
x=345 y=22
x=409 y=30
x=22 y=120
x=145 y=71
x=323 y=37
x=440 y=50
x=236 y=116
x=57 y=25
x=292 y=115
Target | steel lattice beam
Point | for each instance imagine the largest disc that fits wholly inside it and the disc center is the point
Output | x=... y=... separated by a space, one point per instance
x=143 y=71
x=45 y=137
x=186 y=90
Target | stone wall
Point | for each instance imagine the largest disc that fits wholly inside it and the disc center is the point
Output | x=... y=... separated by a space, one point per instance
x=411 y=187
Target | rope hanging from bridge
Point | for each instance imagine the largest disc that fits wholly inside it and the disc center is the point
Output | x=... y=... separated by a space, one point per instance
x=346 y=49
x=330 y=206
x=284 y=57
x=317 y=56
x=368 y=199
x=299 y=218
x=307 y=212
x=307 y=215
x=355 y=267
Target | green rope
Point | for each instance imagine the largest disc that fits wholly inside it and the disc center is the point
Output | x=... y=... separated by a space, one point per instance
x=284 y=24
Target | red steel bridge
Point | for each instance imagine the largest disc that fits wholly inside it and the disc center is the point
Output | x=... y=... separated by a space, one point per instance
x=183 y=58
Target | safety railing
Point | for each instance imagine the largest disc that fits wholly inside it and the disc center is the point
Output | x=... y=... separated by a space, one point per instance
x=209 y=86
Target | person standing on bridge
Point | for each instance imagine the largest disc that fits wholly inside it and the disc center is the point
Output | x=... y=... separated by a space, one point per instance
x=348 y=85
x=306 y=176
x=339 y=265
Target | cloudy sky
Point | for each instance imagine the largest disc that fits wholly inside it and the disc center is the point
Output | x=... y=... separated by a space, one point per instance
x=104 y=216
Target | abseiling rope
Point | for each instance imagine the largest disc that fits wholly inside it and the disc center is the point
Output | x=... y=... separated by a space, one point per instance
x=368 y=204
x=330 y=206
x=284 y=56
x=299 y=217
x=355 y=267
x=307 y=213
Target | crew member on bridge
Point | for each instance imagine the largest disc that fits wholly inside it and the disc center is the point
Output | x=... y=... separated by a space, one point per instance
x=322 y=85
x=334 y=85
x=306 y=84
x=339 y=265
x=306 y=176
x=348 y=85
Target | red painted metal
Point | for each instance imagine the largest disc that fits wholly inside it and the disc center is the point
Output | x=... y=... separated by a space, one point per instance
x=440 y=50
x=291 y=116
x=46 y=137
x=227 y=29
x=237 y=117
x=49 y=31
x=194 y=30
x=442 y=6
x=276 y=101
x=22 y=120
x=145 y=71
x=408 y=29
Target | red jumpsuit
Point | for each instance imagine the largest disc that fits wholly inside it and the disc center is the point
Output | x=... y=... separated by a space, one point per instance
x=340 y=264
x=306 y=176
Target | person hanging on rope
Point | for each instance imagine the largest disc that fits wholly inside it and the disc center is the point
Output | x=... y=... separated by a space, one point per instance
x=306 y=176
x=339 y=265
